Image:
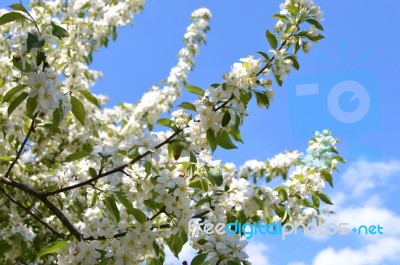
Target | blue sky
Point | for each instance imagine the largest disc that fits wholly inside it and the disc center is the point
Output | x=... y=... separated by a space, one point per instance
x=360 y=47
x=359 y=52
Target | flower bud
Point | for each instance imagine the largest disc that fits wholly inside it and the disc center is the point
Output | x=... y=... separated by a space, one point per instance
x=306 y=47
x=278 y=25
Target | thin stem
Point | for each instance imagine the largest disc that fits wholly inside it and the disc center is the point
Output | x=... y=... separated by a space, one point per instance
x=31 y=128
x=115 y=170
x=162 y=210
x=57 y=212
x=272 y=59
x=26 y=209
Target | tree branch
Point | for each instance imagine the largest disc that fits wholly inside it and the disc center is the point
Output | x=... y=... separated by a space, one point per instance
x=115 y=170
x=31 y=129
x=57 y=212
x=26 y=209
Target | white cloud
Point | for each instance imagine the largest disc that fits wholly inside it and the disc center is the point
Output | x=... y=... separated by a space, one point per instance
x=370 y=215
x=362 y=176
x=258 y=253
x=382 y=251
x=296 y=263
x=360 y=179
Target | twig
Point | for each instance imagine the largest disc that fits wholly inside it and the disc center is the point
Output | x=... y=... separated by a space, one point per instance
x=31 y=128
x=26 y=209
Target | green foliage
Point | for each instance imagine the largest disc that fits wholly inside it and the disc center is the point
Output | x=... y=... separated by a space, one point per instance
x=195 y=90
x=176 y=242
x=10 y=93
x=53 y=247
x=199 y=259
x=16 y=102
x=78 y=110
x=58 y=31
x=77 y=155
x=272 y=40
x=90 y=98
x=11 y=16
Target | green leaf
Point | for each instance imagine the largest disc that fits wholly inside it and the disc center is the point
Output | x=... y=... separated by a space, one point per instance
x=104 y=261
x=10 y=93
x=324 y=198
x=296 y=64
x=278 y=81
x=57 y=115
x=17 y=62
x=216 y=175
x=266 y=57
x=33 y=42
x=225 y=141
x=210 y=136
x=315 y=23
x=40 y=57
x=90 y=97
x=234 y=262
x=95 y=198
x=316 y=38
x=112 y=207
x=199 y=184
x=282 y=194
x=114 y=33
x=315 y=200
x=176 y=242
x=19 y=7
x=177 y=150
x=187 y=105
x=76 y=156
x=226 y=119
x=58 y=31
x=139 y=215
x=165 y=122
x=328 y=177
x=16 y=102
x=262 y=99
x=92 y=172
x=6 y=158
x=281 y=17
x=195 y=90
x=78 y=110
x=124 y=201
x=199 y=259
x=293 y=9
x=31 y=105
x=53 y=247
x=280 y=211
x=9 y=17
x=272 y=39
x=339 y=159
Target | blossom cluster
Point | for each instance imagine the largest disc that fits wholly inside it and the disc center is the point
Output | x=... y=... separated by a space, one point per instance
x=99 y=185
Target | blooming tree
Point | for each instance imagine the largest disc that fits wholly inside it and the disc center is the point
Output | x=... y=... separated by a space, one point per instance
x=85 y=184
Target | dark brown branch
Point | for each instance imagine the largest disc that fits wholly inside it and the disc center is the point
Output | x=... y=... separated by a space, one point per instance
x=272 y=59
x=26 y=209
x=115 y=170
x=31 y=129
x=162 y=210
x=54 y=209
